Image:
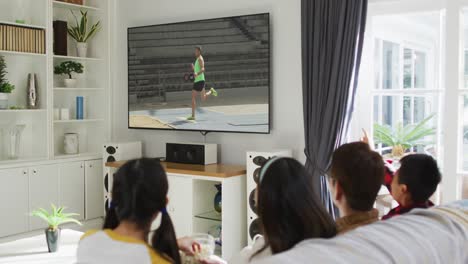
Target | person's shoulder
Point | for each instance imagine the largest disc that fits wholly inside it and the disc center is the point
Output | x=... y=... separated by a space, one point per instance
x=88 y=234
x=155 y=257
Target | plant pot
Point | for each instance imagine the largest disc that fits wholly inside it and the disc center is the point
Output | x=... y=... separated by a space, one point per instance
x=3 y=101
x=398 y=151
x=70 y=83
x=53 y=239
x=82 y=49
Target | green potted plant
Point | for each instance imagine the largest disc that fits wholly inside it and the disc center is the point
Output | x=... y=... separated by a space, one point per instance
x=54 y=219
x=82 y=34
x=5 y=87
x=402 y=138
x=67 y=68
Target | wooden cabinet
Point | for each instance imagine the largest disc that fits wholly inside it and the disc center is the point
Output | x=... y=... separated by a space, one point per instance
x=14 y=202
x=94 y=189
x=43 y=191
x=72 y=188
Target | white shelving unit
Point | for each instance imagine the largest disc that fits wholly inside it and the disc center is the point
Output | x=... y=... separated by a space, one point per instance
x=43 y=173
x=43 y=136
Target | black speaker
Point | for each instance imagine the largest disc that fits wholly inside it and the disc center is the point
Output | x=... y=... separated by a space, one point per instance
x=201 y=154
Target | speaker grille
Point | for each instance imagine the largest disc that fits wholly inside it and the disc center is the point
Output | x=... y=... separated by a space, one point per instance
x=254 y=228
x=111 y=150
x=110 y=159
x=252 y=201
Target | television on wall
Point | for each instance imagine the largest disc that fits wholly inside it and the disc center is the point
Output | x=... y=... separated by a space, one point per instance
x=207 y=75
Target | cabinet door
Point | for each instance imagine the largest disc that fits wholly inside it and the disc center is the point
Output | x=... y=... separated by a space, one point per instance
x=43 y=191
x=14 y=201
x=180 y=204
x=72 y=183
x=94 y=189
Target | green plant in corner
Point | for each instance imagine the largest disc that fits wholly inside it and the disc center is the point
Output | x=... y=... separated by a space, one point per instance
x=5 y=86
x=68 y=67
x=401 y=138
x=80 y=31
x=56 y=217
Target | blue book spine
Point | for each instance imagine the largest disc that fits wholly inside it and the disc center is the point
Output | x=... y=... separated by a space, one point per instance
x=79 y=107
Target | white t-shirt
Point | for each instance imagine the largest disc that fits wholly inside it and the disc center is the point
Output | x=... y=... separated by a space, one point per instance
x=245 y=256
x=106 y=246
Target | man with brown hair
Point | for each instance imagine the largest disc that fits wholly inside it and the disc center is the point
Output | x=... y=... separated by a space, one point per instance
x=356 y=176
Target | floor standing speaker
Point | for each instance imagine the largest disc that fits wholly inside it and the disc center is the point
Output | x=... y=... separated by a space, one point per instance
x=117 y=152
x=255 y=160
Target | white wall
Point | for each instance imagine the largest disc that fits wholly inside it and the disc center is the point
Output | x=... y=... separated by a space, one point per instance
x=287 y=116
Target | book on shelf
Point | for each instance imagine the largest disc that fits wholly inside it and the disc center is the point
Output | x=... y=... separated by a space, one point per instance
x=22 y=39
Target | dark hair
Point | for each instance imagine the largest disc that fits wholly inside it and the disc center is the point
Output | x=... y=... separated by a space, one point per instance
x=139 y=191
x=199 y=48
x=360 y=172
x=288 y=209
x=420 y=173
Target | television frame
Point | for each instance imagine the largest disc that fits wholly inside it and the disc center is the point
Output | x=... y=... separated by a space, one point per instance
x=204 y=132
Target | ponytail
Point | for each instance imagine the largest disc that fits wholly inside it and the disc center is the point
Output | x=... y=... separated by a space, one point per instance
x=164 y=239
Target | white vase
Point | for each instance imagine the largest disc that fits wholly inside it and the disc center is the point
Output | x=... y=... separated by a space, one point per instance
x=3 y=101
x=71 y=143
x=82 y=49
x=13 y=140
x=70 y=83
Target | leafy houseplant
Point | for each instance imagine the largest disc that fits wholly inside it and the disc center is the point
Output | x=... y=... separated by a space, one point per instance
x=67 y=68
x=54 y=219
x=402 y=137
x=5 y=87
x=81 y=33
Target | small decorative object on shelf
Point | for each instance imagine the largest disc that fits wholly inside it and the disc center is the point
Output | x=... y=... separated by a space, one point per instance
x=33 y=99
x=5 y=87
x=13 y=140
x=71 y=143
x=64 y=114
x=60 y=38
x=54 y=219
x=217 y=199
x=67 y=68
x=82 y=34
x=402 y=138
x=79 y=107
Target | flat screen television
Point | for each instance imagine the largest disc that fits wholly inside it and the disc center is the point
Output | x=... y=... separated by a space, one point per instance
x=208 y=75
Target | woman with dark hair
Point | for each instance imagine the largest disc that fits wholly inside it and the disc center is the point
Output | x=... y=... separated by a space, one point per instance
x=139 y=195
x=288 y=210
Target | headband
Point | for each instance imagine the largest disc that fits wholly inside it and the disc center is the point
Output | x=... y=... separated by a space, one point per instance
x=265 y=168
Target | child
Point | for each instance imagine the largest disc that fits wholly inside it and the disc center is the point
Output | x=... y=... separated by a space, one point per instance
x=288 y=210
x=413 y=183
x=138 y=196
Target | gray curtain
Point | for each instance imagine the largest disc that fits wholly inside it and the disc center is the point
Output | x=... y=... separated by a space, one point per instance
x=332 y=40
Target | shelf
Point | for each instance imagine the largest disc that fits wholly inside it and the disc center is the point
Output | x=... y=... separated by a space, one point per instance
x=80 y=155
x=21 y=53
x=77 y=121
x=21 y=25
x=59 y=4
x=76 y=58
x=6 y=162
x=64 y=89
x=23 y=111
x=213 y=215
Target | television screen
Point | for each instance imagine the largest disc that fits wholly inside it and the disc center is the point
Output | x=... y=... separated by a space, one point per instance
x=207 y=75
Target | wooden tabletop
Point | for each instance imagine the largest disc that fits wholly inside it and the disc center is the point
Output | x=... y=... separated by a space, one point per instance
x=213 y=170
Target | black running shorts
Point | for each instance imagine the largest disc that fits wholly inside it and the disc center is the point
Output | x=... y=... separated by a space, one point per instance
x=199 y=86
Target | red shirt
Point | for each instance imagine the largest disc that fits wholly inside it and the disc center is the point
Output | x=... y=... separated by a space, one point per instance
x=403 y=210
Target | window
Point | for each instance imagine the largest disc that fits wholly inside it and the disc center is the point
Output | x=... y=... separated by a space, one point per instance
x=402 y=97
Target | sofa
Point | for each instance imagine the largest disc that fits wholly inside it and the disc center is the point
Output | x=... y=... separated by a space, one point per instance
x=436 y=235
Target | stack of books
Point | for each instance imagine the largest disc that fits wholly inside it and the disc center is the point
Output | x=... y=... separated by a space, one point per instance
x=22 y=39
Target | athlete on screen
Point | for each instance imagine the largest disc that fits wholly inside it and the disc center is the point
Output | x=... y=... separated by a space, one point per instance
x=198 y=69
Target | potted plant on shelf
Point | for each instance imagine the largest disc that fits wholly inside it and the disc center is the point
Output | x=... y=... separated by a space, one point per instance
x=402 y=138
x=67 y=68
x=5 y=87
x=54 y=219
x=81 y=34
